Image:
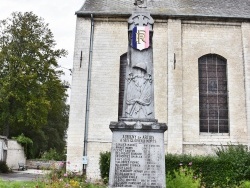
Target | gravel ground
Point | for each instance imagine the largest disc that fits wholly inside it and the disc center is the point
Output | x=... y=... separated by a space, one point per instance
x=27 y=175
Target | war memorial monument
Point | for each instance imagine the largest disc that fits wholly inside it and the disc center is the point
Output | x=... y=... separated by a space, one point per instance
x=131 y=72
x=137 y=154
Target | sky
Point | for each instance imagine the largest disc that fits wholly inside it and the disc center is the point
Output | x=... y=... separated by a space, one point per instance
x=60 y=15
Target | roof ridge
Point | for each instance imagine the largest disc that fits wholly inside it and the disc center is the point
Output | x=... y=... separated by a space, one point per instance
x=208 y=8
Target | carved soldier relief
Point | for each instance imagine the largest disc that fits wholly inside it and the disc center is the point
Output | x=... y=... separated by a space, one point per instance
x=139 y=97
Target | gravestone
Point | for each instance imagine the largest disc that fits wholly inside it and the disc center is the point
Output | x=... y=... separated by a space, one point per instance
x=137 y=154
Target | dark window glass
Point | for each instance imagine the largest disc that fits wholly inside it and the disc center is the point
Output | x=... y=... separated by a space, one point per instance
x=123 y=63
x=213 y=94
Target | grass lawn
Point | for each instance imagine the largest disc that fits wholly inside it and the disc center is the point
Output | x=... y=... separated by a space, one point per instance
x=20 y=184
x=38 y=184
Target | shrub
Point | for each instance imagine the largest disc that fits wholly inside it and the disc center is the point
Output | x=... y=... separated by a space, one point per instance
x=183 y=178
x=236 y=160
x=3 y=167
x=212 y=171
x=104 y=163
x=52 y=154
x=228 y=168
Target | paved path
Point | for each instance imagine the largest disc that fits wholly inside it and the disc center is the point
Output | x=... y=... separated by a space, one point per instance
x=27 y=175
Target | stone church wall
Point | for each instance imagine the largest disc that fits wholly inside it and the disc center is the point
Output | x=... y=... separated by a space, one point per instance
x=110 y=42
x=177 y=47
x=225 y=39
x=160 y=56
x=78 y=96
x=246 y=53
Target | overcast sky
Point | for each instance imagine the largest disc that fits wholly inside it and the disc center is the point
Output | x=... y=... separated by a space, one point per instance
x=59 y=14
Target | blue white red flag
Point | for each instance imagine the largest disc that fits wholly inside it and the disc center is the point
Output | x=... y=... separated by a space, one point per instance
x=140 y=37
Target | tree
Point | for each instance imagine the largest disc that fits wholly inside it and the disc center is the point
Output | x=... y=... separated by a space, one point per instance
x=32 y=96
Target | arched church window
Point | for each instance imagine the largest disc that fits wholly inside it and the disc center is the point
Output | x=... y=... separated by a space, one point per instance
x=213 y=95
x=123 y=63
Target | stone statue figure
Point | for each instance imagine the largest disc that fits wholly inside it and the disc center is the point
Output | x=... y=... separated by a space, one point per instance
x=139 y=92
x=141 y=3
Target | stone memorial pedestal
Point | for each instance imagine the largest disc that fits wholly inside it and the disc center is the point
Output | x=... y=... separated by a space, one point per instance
x=137 y=154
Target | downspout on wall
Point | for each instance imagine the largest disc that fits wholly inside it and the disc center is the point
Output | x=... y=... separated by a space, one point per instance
x=88 y=92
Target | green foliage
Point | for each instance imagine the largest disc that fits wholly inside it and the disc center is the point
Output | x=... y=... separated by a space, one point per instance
x=212 y=171
x=237 y=160
x=3 y=167
x=24 y=184
x=245 y=184
x=183 y=178
x=52 y=154
x=32 y=96
x=54 y=180
x=228 y=169
x=104 y=163
x=25 y=142
x=61 y=178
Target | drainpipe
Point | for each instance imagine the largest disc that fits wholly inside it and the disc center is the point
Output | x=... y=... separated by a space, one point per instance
x=88 y=93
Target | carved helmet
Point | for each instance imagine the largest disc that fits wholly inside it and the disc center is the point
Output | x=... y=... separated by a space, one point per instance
x=138 y=2
x=141 y=65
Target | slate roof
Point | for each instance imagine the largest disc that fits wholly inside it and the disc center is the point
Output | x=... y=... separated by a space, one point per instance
x=238 y=9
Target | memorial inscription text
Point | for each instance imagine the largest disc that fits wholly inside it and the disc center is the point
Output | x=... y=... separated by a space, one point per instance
x=137 y=161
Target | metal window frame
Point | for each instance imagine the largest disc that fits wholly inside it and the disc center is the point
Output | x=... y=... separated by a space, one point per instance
x=214 y=117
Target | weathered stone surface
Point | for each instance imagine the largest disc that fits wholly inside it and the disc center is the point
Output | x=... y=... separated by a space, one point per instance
x=138 y=125
x=139 y=84
x=137 y=159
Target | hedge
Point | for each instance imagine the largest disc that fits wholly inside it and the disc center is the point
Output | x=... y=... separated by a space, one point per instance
x=229 y=167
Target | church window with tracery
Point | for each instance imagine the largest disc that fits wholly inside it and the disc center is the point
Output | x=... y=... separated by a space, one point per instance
x=213 y=95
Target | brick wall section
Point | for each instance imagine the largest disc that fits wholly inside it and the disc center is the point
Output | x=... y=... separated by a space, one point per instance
x=246 y=53
x=175 y=95
x=78 y=96
x=160 y=48
x=110 y=42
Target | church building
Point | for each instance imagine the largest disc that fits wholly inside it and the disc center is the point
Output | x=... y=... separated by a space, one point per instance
x=201 y=59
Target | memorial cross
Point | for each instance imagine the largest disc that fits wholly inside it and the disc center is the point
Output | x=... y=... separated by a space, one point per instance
x=141 y=3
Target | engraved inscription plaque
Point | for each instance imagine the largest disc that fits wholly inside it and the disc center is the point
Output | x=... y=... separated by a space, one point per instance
x=137 y=160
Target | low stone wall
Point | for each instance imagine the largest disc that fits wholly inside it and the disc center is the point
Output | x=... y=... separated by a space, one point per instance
x=42 y=164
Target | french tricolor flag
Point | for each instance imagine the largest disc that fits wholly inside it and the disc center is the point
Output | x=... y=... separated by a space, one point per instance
x=140 y=37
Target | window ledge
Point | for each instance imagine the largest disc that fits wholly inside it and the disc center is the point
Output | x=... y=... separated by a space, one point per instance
x=214 y=134
x=215 y=137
